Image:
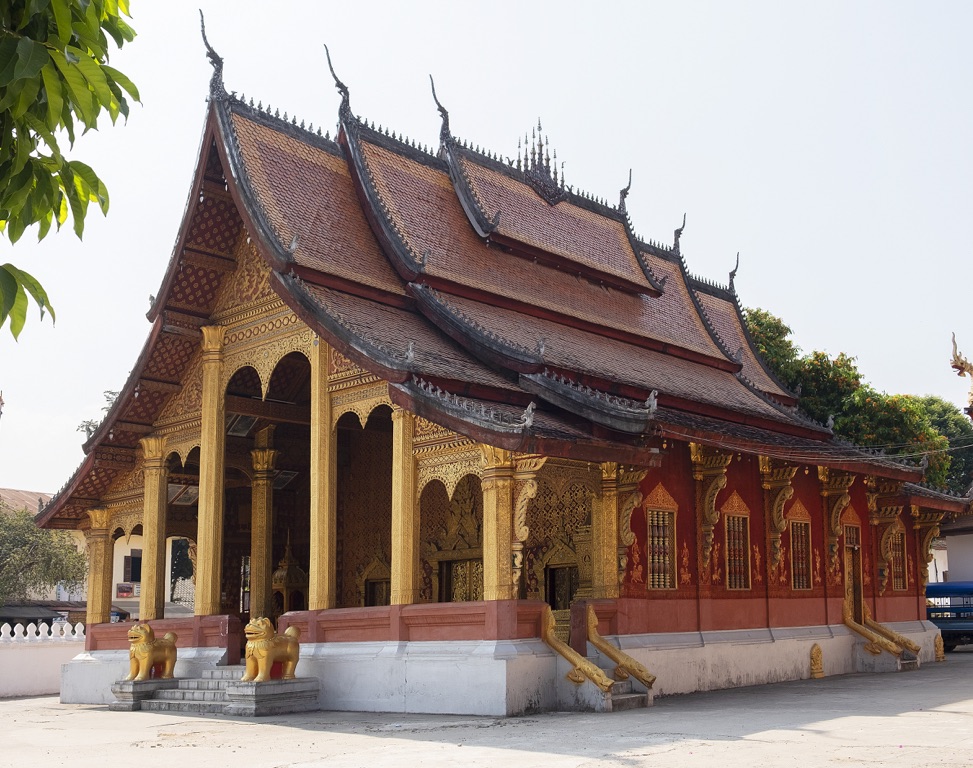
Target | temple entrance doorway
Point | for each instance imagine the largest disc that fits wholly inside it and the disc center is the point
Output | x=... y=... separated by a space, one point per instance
x=451 y=535
x=364 y=519
x=853 y=573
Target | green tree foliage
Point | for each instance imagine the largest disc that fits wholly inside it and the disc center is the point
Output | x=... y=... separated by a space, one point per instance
x=88 y=426
x=54 y=78
x=899 y=424
x=826 y=383
x=32 y=558
x=772 y=337
x=952 y=423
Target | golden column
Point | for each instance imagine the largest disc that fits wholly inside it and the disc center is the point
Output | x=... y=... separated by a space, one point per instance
x=261 y=523
x=604 y=534
x=100 y=564
x=405 y=512
x=497 y=482
x=209 y=538
x=155 y=503
x=324 y=500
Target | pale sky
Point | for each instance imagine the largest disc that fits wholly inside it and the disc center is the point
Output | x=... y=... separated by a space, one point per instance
x=828 y=142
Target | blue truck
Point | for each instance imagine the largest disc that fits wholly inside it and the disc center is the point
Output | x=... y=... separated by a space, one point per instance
x=949 y=605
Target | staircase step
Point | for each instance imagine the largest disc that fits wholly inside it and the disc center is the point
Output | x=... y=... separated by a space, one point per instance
x=621 y=687
x=224 y=673
x=198 y=707
x=192 y=684
x=908 y=665
x=629 y=701
x=190 y=695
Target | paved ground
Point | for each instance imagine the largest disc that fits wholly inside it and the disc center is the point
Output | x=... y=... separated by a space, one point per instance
x=922 y=718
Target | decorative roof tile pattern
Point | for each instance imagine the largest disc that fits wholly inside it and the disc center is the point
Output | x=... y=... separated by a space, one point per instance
x=566 y=230
x=570 y=349
x=306 y=192
x=723 y=314
x=423 y=201
x=407 y=336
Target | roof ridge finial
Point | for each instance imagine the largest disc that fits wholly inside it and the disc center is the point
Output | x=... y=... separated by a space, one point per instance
x=624 y=192
x=445 y=137
x=733 y=272
x=344 y=110
x=678 y=234
x=216 y=87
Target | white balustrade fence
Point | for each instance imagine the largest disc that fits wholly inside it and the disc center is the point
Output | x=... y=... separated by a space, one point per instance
x=31 y=657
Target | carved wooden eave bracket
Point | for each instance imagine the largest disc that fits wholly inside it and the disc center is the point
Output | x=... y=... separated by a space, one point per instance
x=709 y=472
x=834 y=500
x=886 y=521
x=926 y=524
x=525 y=488
x=775 y=479
x=621 y=485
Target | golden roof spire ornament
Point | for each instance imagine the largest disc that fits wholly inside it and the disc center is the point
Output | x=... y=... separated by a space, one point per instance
x=962 y=366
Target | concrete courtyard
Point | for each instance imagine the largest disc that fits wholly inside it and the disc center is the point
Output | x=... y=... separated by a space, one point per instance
x=922 y=718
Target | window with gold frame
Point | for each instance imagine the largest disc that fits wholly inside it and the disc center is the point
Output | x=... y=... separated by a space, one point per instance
x=800 y=554
x=737 y=552
x=661 y=549
x=899 y=581
x=736 y=517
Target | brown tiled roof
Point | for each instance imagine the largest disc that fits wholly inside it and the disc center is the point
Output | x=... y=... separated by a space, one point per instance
x=571 y=349
x=305 y=191
x=422 y=202
x=12 y=499
x=722 y=313
x=683 y=425
x=567 y=230
x=407 y=337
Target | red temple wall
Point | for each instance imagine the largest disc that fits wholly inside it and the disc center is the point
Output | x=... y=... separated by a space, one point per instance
x=771 y=600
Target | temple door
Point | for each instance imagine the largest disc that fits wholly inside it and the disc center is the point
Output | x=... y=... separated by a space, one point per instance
x=853 y=572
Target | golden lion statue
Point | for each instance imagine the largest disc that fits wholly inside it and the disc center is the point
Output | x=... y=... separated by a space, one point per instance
x=145 y=652
x=264 y=647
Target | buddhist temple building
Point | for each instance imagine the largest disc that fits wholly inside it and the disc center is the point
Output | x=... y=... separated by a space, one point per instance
x=459 y=424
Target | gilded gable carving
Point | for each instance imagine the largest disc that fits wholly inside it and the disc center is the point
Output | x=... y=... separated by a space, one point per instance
x=735 y=505
x=850 y=516
x=249 y=284
x=660 y=498
x=798 y=512
x=188 y=401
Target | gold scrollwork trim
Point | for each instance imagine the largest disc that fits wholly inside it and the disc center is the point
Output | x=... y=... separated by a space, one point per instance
x=361 y=401
x=264 y=357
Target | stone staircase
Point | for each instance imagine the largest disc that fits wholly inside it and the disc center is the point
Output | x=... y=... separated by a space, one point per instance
x=908 y=661
x=623 y=695
x=218 y=692
x=206 y=695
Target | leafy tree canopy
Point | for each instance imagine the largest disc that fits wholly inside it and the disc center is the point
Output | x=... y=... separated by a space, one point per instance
x=32 y=558
x=54 y=78
x=899 y=424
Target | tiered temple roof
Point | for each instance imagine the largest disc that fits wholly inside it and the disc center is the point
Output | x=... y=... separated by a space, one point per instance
x=492 y=298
